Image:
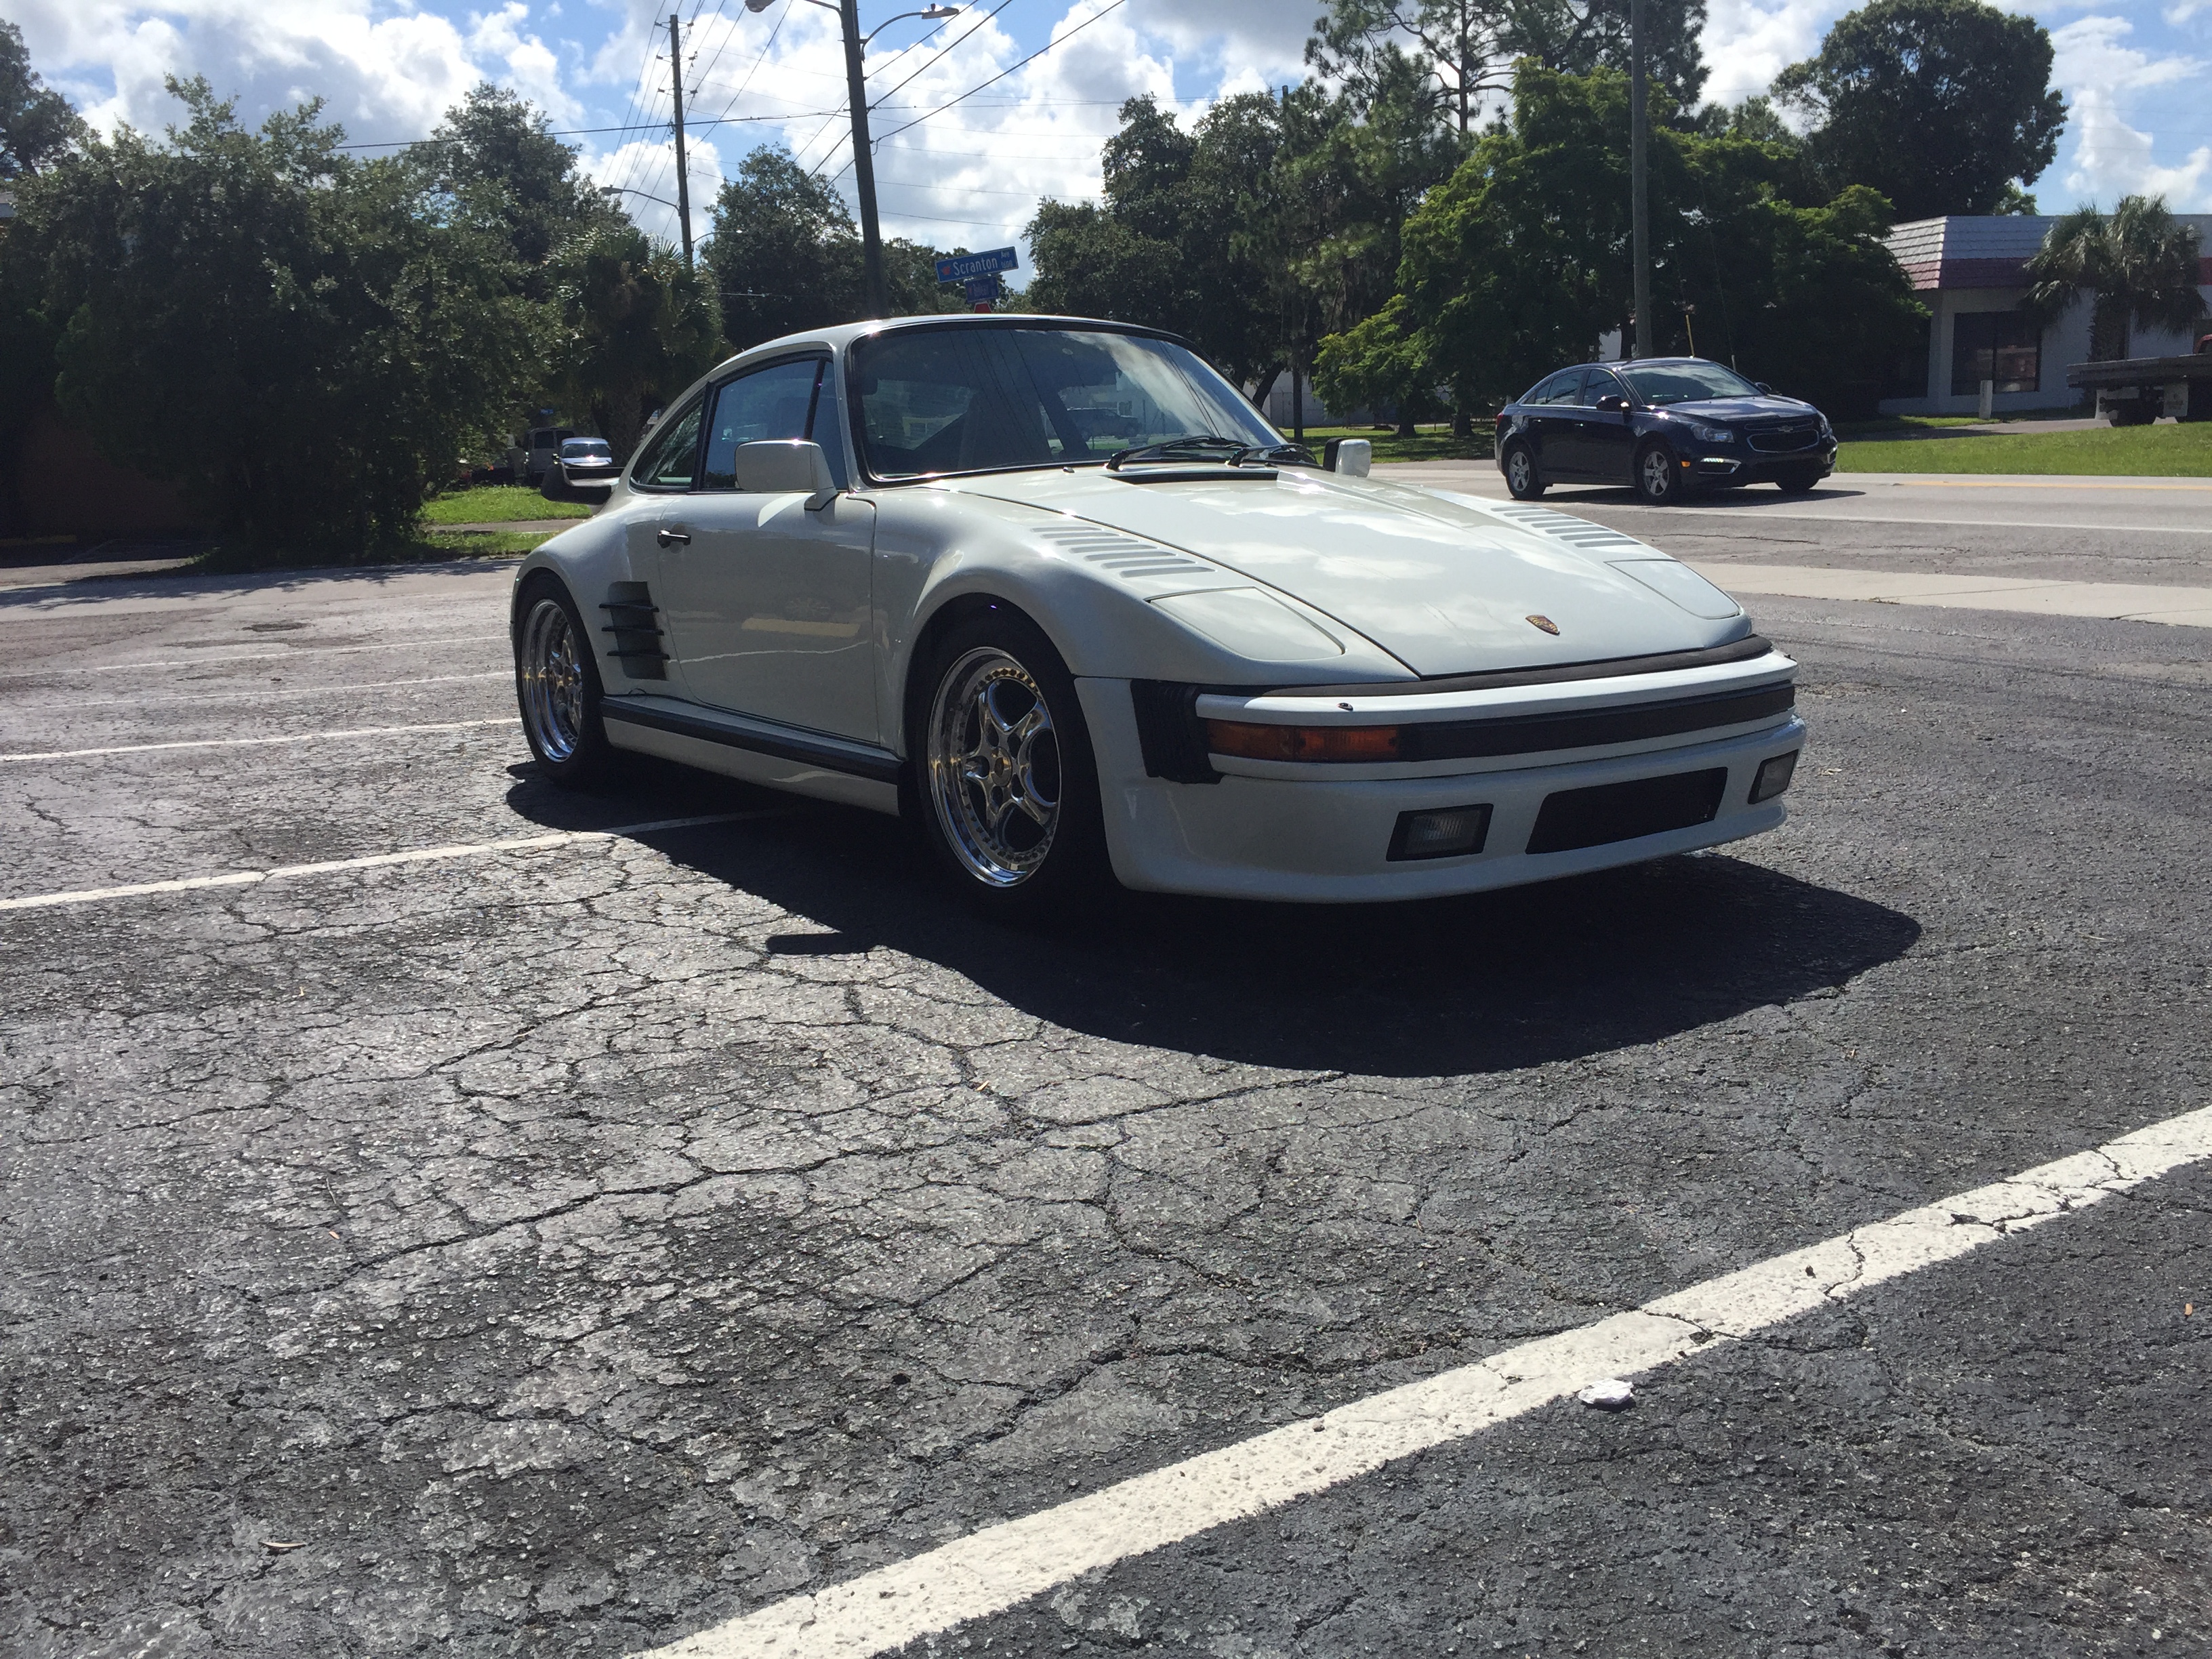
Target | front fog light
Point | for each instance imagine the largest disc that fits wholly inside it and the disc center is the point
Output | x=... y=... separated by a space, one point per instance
x=1773 y=777
x=1452 y=832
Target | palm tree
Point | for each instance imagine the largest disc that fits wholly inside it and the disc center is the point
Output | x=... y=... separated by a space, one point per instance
x=2139 y=263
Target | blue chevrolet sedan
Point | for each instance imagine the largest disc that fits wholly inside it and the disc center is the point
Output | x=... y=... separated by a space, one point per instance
x=1668 y=427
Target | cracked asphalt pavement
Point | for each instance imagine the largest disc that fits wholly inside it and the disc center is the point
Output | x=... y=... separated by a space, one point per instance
x=563 y=1251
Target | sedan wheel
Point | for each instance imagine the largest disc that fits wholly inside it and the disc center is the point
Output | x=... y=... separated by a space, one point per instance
x=1011 y=796
x=1654 y=476
x=557 y=685
x=1522 y=481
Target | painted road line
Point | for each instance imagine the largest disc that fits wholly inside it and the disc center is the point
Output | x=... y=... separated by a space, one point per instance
x=1003 y=1565
x=296 y=653
x=2181 y=607
x=264 y=693
x=255 y=743
x=377 y=861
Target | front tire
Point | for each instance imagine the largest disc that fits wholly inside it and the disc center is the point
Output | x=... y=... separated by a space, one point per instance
x=1658 y=483
x=558 y=687
x=1006 y=785
x=1523 y=481
x=1798 y=480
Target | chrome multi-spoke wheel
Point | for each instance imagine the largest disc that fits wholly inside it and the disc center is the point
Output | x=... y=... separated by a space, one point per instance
x=550 y=671
x=993 y=767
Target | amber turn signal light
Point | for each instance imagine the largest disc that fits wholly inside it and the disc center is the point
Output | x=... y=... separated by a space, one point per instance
x=1302 y=743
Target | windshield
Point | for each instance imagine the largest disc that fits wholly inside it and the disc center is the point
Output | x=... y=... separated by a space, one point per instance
x=1682 y=383
x=580 y=449
x=967 y=399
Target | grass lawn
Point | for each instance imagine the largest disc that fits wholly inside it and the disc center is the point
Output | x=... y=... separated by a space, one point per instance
x=1429 y=443
x=498 y=504
x=2153 y=452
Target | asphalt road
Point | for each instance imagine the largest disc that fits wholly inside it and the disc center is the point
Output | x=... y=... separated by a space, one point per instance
x=566 y=1249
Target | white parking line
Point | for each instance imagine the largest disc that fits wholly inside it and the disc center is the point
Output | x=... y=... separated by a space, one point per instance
x=295 y=653
x=253 y=743
x=374 y=860
x=265 y=692
x=1003 y=1565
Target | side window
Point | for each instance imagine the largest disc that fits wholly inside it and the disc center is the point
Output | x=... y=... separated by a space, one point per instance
x=671 y=453
x=776 y=402
x=1603 y=383
x=1560 y=389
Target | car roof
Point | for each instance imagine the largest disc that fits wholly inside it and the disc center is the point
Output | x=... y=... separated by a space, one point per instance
x=844 y=334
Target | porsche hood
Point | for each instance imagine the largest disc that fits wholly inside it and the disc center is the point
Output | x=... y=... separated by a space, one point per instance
x=1447 y=585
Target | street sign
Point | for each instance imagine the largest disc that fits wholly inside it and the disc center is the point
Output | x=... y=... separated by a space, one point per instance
x=982 y=289
x=960 y=267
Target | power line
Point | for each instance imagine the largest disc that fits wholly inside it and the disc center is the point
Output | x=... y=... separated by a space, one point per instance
x=950 y=48
x=1112 y=6
x=576 y=133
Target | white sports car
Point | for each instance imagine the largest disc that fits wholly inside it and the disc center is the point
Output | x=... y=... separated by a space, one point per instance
x=1053 y=589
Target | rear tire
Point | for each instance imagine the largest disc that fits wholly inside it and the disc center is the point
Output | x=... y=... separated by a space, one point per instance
x=1523 y=481
x=1798 y=480
x=1004 y=783
x=557 y=686
x=1657 y=483
x=2132 y=411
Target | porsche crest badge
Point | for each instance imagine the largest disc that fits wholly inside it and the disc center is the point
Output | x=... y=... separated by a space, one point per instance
x=1546 y=623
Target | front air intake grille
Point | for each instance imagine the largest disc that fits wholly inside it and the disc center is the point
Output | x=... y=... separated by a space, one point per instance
x=1609 y=812
x=1784 y=439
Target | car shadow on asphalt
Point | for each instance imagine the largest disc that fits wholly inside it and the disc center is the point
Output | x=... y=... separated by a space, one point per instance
x=1488 y=982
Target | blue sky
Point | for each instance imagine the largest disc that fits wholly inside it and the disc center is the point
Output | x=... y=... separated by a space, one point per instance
x=2134 y=72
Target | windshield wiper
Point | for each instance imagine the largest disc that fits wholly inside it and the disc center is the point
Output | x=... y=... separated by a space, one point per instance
x=1286 y=454
x=1204 y=445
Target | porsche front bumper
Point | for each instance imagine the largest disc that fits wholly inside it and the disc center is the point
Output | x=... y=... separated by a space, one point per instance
x=1268 y=830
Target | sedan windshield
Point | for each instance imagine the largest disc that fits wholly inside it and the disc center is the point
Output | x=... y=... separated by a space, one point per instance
x=585 y=449
x=968 y=399
x=1682 y=383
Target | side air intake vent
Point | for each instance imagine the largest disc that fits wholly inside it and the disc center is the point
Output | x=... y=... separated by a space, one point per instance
x=634 y=621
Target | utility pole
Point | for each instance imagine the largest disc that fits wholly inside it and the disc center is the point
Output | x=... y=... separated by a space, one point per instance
x=1639 y=203
x=683 y=172
x=874 y=299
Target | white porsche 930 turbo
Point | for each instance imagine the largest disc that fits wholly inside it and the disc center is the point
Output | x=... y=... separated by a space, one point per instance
x=1053 y=589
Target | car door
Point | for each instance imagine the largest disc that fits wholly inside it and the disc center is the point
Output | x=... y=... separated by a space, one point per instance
x=767 y=604
x=1555 y=424
x=1607 y=438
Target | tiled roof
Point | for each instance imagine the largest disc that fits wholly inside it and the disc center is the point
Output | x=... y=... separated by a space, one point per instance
x=1989 y=250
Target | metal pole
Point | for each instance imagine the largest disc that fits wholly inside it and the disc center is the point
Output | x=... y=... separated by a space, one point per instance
x=874 y=300
x=683 y=172
x=1639 y=203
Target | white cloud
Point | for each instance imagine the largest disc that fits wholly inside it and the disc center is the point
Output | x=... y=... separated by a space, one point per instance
x=1747 y=44
x=2110 y=157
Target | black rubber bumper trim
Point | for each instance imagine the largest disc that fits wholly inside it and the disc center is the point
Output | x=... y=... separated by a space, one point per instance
x=1591 y=728
x=1666 y=662
x=793 y=748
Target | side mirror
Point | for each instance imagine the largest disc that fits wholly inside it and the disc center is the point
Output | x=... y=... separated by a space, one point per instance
x=1612 y=403
x=784 y=467
x=1352 y=457
x=1765 y=389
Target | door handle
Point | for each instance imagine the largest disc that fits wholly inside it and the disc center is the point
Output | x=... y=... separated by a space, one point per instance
x=664 y=536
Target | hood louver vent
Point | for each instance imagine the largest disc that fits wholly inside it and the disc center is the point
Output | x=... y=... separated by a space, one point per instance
x=1579 y=533
x=1125 y=557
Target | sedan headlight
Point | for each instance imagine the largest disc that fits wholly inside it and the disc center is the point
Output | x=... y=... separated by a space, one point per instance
x=1712 y=434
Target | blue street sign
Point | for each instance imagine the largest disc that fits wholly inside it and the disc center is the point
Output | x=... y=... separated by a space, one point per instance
x=977 y=265
x=980 y=288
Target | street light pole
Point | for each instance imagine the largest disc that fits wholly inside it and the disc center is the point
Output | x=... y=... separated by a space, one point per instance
x=683 y=172
x=1639 y=203
x=873 y=297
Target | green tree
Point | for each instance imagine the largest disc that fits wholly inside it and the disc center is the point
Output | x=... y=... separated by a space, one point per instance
x=1521 y=260
x=304 y=342
x=634 y=327
x=786 y=256
x=495 y=154
x=2136 y=266
x=37 y=127
x=1382 y=362
x=1942 y=105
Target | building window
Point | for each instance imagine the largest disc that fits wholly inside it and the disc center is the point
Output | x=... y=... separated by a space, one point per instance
x=1994 y=346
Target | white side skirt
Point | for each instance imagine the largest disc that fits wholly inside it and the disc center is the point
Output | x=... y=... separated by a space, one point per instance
x=800 y=777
